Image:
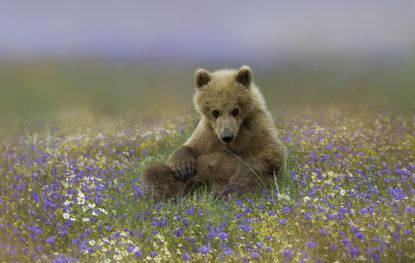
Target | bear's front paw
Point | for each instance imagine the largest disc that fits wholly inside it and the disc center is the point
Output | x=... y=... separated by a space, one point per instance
x=183 y=163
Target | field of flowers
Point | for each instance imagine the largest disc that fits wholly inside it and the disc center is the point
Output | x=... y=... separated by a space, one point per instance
x=71 y=191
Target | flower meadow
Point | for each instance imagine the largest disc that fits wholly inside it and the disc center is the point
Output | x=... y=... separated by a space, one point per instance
x=71 y=190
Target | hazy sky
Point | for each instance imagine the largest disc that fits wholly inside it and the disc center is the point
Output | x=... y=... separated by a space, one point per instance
x=198 y=30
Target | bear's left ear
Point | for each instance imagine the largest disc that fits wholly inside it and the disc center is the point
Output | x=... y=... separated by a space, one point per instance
x=244 y=76
x=202 y=77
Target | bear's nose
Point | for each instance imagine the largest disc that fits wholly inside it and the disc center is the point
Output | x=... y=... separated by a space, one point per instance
x=227 y=139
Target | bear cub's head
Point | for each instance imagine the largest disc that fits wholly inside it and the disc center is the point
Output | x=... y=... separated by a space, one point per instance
x=226 y=98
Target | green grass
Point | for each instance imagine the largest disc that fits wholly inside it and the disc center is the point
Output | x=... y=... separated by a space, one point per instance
x=76 y=137
x=347 y=194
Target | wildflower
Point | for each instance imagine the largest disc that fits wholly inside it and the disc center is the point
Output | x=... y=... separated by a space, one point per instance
x=311 y=244
x=239 y=215
x=190 y=211
x=255 y=254
x=332 y=246
x=287 y=253
x=247 y=209
x=223 y=235
x=50 y=240
x=35 y=197
x=323 y=231
x=259 y=244
x=286 y=209
x=131 y=248
x=245 y=227
x=346 y=242
x=161 y=222
x=282 y=221
x=117 y=257
x=210 y=234
x=186 y=257
x=138 y=254
x=91 y=242
x=179 y=232
x=354 y=251
x=228 y=251
x=283 y=197
x=66 y=215
x=364 y=210
x=359 y=235
x=204 y=250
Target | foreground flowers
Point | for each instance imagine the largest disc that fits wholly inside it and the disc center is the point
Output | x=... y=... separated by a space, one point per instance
x=348 y=195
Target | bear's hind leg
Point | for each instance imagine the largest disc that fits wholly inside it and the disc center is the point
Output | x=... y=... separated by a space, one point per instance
x=162 y=182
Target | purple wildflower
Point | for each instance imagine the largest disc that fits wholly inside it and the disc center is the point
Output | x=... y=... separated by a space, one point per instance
x=223 y=235
x=311 y=244
x=359 y=235
x=131 y=248
x=332 y=246
x=287 y=253
x=255 y=254
x=186 y=257
x=228 y=251
x=35 y=197
x=245 y=227
x=179 y=232
x=50 y=240
x=259 y=244
x=204 y=250
x=354 y=251
x=346 y=242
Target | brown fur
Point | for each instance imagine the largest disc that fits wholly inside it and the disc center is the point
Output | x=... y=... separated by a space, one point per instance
x=244 y=165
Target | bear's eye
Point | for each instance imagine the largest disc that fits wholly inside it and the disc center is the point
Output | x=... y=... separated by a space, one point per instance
x=215 y=114
x=235 y=112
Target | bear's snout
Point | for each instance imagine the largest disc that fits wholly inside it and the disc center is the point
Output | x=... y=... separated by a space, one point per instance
x=227 y=139
x=227 y=136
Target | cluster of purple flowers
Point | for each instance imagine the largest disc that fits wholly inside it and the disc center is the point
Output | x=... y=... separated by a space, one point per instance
x=348 y=194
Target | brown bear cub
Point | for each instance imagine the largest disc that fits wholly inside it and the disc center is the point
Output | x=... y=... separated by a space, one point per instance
x=234 y=148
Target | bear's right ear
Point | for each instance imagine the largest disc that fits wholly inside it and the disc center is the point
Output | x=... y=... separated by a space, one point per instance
x=244 y=76
x=202 y=77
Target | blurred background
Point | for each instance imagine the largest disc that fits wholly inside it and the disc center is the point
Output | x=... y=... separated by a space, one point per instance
x=138 y=57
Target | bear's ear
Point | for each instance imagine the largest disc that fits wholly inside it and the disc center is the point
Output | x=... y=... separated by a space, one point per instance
x=244 y=76
x=202 y=77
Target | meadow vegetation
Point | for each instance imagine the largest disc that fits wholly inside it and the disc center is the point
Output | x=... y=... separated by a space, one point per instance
x=71 y=187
